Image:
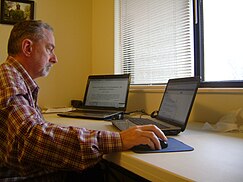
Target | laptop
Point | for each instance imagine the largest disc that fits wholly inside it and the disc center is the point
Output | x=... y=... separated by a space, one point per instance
x=175 y=108
x=105 y=98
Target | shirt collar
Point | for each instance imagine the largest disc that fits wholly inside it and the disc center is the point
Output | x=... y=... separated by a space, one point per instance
x=27 y=78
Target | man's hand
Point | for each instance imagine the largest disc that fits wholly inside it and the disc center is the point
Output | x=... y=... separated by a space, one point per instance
x=146 y=134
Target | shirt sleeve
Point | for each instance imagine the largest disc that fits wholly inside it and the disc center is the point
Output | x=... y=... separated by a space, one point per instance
x=34 y=143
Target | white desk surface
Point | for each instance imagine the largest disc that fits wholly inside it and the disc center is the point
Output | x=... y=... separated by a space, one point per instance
x=216 y=156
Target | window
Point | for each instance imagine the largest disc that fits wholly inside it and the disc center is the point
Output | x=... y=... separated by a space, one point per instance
x=222 y=39
x=160 y=39
x=156 y=40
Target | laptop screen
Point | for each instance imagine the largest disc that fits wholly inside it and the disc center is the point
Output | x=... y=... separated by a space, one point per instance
x=178 y=100
x=107 y=92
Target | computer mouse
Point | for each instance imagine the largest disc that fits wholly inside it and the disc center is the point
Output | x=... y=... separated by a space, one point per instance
x=142 y=147
x=163 y=143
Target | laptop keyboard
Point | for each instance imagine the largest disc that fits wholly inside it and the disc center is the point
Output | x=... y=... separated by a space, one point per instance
x=145 y=121
x=93 y=111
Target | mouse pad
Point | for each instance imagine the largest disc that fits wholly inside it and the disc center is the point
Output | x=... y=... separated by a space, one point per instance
x=174 y=145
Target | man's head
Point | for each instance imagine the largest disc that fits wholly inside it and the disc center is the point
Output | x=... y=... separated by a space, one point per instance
x=32 y=44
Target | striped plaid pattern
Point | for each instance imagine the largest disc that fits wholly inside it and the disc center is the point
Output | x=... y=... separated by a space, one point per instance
x=32 y=146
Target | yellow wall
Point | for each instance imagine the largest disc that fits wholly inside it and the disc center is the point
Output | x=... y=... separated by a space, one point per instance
x=84 y=32
x=209 y=104
x=103 y=37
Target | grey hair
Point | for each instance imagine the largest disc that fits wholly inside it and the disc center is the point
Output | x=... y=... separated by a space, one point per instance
x=30 y=29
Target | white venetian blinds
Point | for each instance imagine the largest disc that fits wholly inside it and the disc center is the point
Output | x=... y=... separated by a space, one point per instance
x=154 y=39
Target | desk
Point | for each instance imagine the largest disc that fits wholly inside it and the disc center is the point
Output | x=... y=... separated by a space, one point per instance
x=216 y=156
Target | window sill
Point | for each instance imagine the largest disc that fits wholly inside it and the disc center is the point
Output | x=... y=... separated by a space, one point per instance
x=161 y=89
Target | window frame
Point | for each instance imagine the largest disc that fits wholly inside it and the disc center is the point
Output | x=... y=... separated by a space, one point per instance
x=199 y=51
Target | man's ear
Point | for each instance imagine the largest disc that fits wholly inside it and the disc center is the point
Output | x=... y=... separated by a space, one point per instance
x=27 y=47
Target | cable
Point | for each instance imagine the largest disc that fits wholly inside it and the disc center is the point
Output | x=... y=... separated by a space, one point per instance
x=141 y=112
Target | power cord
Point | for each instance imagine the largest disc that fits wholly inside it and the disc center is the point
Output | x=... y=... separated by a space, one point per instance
x=141 y=112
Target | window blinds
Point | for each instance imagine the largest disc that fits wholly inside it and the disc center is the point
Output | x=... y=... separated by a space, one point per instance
x=154 y=40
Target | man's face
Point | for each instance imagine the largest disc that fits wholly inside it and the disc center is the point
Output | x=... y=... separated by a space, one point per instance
x=43 y=55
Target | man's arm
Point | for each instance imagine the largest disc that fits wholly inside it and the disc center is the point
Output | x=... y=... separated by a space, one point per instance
x=34 y=143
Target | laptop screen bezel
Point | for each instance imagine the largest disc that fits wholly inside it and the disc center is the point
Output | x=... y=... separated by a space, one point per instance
x=193 y=80
x=115 y=76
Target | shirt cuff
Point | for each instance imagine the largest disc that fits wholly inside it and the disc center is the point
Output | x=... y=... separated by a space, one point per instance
x=110 y=141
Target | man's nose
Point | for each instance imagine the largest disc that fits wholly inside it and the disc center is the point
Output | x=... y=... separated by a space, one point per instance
x=54 y=59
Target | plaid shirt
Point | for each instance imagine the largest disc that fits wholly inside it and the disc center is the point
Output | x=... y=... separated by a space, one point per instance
x=31 y=146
